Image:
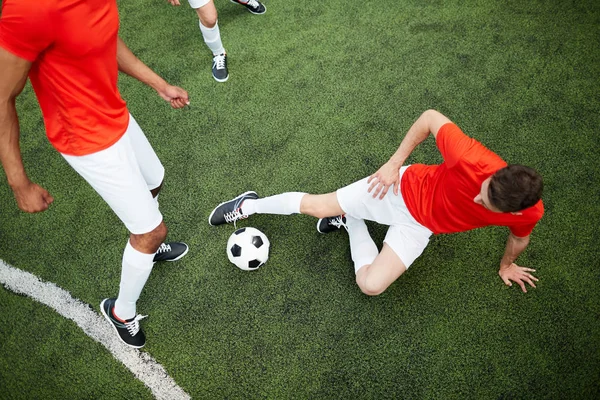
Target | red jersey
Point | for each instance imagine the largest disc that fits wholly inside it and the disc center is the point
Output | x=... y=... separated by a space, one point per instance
x=73 y=47
x=440 y=197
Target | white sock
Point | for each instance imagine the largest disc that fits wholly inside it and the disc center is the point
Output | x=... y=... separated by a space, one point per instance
x=212 y=38
x=362 y=248
x=134 y=274
x=280 y=204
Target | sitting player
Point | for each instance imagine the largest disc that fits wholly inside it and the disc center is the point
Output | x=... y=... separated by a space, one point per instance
x=207 y=13
x=472 y=188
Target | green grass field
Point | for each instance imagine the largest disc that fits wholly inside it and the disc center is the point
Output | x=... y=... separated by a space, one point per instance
x=320 y=95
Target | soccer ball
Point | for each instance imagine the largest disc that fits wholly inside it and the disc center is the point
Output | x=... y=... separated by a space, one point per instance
x=248 y=248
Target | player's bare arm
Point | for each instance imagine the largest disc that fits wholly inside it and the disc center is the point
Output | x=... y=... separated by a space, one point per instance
x=428 y=123
x=30 y=197
x=134 y=67
x=511 y=272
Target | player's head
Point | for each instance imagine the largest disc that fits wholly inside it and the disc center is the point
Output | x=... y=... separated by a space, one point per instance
x=511 y=189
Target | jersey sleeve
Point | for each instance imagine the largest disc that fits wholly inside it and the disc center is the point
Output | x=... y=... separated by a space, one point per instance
x=533 y=215
x=25 y=28
x=453 y=143
x=455 y=146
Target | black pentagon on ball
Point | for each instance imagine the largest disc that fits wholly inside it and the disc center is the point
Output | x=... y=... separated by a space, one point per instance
x=241 y=230
x=254 y=264
x=236 y=250
x=257 y=241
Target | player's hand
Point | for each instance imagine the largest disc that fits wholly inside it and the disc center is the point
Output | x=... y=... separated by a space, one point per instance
x=174 y=2
x=32 y=198
x=178 y=97
x=517 y=274
x=388 y=175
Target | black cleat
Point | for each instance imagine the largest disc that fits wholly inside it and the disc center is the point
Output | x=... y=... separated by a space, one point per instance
x=219 y=68
x=330 y=224
x=230 y=211
x=129 y=331
x=254 y=6
x=172 y=251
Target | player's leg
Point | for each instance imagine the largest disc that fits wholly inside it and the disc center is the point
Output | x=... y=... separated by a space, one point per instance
x=374 y=277
x=254 y=6
x=288 y=203
x=209 y=27
x=153 y=172
x=402 y=245
x=115 y=174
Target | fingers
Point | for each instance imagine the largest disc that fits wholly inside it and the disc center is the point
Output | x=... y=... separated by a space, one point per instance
x=178 y=103
x=47 y=198
x=522 y=286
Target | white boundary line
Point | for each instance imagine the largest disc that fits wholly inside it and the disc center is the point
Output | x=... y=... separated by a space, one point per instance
x=144 y=367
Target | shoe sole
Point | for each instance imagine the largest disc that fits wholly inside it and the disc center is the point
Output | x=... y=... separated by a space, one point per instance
x=318 y=230
x=255 y=13
x=221 y=80
x=235 y=198
x=179 y=257
x=114 y=327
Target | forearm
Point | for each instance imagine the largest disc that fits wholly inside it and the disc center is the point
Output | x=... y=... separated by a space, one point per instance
x=134 y=67
x=514 y=247
x=10 y=150
x=418 y=132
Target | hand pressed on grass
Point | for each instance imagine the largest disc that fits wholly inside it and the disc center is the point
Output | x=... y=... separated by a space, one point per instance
x=517 y=274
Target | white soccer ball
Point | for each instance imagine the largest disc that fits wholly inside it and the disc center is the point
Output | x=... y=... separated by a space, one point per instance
x=248 y=248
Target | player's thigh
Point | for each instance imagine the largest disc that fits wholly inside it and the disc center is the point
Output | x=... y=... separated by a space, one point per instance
x=357 y=202
x=374 y=279
x=115 y=175
x=150 y=166
x=321 y=205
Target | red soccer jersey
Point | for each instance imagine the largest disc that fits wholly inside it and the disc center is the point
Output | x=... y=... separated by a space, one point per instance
x=73 y=47
x=440 y=197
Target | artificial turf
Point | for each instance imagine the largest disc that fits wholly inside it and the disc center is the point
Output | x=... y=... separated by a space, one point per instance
x=320 y=94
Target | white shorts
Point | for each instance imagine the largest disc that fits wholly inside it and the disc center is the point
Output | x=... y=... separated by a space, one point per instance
x=198 y=3
x=123 y=176
x=406 y=236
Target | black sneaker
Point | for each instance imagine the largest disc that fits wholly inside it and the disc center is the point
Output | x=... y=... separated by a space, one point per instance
x=330 y=224
x=230 y=211
x=219 y=68
x=172 y=251
x=254 y=6
x=129 y=331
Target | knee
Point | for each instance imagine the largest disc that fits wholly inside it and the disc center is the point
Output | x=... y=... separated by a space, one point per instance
x=370 y=287
x=207 y=19
x=209 y=22
x=311 y=206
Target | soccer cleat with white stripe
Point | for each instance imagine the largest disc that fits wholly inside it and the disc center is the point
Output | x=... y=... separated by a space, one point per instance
x=254 y=6
x=128 y=331
x=171 y=251
x=330 y=224
x=230 y=211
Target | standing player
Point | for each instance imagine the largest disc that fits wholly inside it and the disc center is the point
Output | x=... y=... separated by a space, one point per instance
x=72 y=54
x=207 y=14
x=472 y=188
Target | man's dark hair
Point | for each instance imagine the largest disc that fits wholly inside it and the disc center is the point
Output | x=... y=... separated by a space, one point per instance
x=515 y=188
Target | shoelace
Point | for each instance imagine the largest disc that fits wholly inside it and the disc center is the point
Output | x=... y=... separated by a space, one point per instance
x=338 y=222
x=234 y=216
x=163 y=248
x=133 y=327
x=253 y=3
x=220 y=61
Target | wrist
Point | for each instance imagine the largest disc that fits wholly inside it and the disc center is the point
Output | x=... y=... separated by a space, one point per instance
x=158 y=84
